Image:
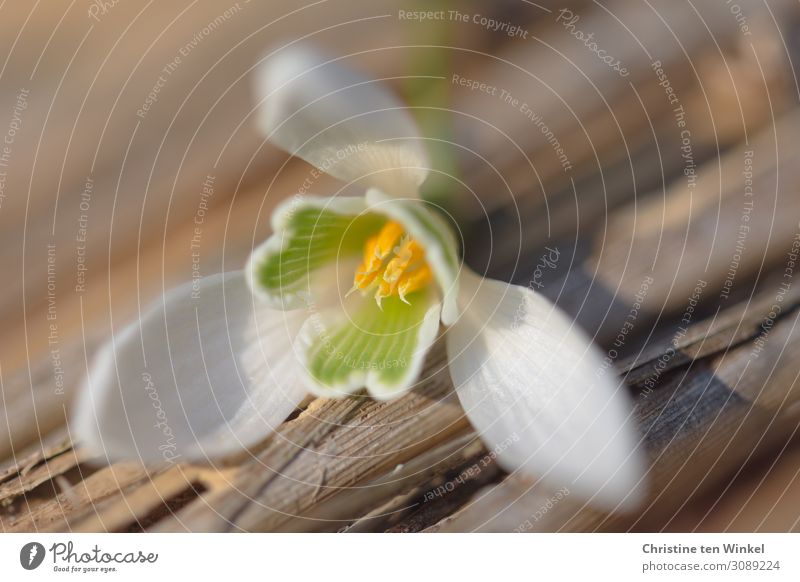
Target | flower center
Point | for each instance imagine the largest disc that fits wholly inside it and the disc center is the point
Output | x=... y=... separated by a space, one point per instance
x=394 y=264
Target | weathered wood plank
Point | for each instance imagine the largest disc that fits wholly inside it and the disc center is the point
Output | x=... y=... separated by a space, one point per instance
x=332 y=447
x=714 y=237
x=617 y=133
x=84 y=496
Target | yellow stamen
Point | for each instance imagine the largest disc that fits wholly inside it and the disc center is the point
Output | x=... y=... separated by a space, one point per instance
x=414 y=281
x=407 y=253
x=392 y=270
x=376 y=249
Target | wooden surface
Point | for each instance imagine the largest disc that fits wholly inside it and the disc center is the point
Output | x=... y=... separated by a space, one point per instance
x=621 y=214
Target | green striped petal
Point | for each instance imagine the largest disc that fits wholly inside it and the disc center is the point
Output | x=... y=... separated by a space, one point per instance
x=310 y=234
x=380 y=348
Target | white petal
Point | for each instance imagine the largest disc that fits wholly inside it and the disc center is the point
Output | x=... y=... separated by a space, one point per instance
x=205 y=372
x=534 y=388
x=340 y=121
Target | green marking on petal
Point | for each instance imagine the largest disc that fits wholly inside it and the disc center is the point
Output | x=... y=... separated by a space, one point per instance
x=310 y=238
x=380 y=348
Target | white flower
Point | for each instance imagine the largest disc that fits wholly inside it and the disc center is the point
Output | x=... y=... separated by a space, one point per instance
x=349 y=293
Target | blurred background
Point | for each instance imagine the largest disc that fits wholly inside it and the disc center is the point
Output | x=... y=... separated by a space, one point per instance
x=637 y=161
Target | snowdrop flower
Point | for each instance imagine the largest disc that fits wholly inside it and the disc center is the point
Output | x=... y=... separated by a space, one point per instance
x=350 y=293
